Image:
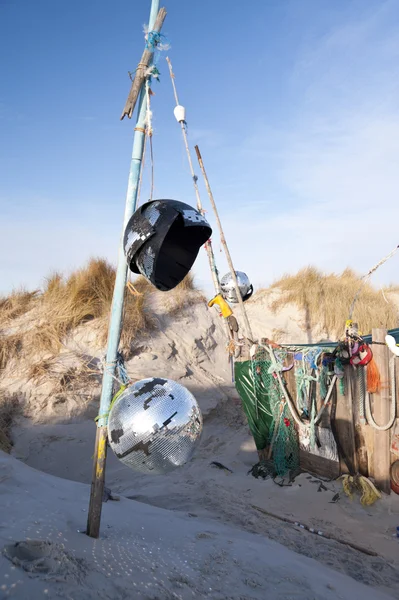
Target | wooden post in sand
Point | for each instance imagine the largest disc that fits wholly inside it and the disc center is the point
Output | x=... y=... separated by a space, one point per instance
x=382 y=456
x=115 y=324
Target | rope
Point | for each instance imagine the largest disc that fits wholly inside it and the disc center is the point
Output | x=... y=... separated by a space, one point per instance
x=114 y=399
x=122 y=378
x=315 y=419
x=291 y=406
x=107 y=366
x=303 y=381
x=367 y=277
x=326 y=399
x=362 y=393
x=370 y=418
x=149 y=132
x=122 y=372
x=141 y=170
x=132 y=289
x=154 y=39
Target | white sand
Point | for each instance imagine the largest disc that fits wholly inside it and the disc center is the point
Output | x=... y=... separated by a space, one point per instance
x=144 y=552
x=197 y=514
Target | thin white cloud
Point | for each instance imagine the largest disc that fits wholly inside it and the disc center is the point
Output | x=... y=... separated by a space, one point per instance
x=321 y=182
x=336 y=161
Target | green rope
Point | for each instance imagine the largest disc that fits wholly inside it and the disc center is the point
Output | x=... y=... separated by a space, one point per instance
x=114 y=399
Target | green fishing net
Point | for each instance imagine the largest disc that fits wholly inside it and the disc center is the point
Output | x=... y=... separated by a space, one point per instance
x=269 y=418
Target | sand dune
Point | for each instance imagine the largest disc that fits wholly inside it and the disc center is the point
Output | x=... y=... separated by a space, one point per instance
x=194 y=532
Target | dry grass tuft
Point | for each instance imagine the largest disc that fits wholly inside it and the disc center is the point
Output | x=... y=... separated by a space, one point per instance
x=64 y=379
x=15 y=305
x=326 y=301
x=183 y=295
x=393 y=288
x=137 y=317
x=42 y=369
x=84 y=296
x=10 y=347
x=67 y=303
x=9 y=409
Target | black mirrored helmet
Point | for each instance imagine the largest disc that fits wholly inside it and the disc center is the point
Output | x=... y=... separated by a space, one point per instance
x=162 y=240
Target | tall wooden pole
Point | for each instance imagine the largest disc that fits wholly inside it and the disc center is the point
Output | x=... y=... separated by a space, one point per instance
x=224 y=243
x=115 y=326
x=382 y=454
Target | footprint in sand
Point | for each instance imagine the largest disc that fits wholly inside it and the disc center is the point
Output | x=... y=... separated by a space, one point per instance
x=39 y=557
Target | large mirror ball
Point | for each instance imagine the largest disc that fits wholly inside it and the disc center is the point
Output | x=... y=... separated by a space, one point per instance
x=154 y=426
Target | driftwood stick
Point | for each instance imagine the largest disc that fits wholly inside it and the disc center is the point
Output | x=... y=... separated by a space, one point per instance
x=328 y=536
x=143 y=65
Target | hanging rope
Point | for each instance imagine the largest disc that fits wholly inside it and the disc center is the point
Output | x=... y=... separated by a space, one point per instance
x=361 y=379
x=118 y=365
x=326 y=399
x=366 y=277
x=149 y=132
x=370 y=418
x=141 y=172
x=291 y=406
x=315 y=418
x=208 y=245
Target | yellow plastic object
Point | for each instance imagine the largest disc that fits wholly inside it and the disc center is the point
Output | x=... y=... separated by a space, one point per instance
x=222 y=304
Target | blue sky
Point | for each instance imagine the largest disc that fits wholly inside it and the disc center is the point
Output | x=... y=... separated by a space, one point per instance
x=294 y=104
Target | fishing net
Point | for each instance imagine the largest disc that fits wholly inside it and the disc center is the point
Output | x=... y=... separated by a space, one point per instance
x=268 y=415
x=255 y=402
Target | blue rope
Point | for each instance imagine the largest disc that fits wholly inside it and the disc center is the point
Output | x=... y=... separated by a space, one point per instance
x=122 y=372
x=154 y=38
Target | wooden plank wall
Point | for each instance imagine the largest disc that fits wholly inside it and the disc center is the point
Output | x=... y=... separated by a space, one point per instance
x=367 y=450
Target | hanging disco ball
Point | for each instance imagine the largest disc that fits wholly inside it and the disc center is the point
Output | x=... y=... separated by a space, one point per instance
x=162 y=240
x=154 y=426
x=229 y=289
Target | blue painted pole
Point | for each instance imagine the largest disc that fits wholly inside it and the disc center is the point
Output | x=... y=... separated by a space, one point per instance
x=115 y=325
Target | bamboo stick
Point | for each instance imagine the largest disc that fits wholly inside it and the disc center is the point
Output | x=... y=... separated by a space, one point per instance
x=142 y=67
x=208 y=244
x=224 y=243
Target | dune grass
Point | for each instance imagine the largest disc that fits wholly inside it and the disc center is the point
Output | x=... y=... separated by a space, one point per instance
x=68 y=302
x=10 y=346
x=9 y=409
x=16 y=304
x=326 y=300
x=86 y=296
x=182 y=296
